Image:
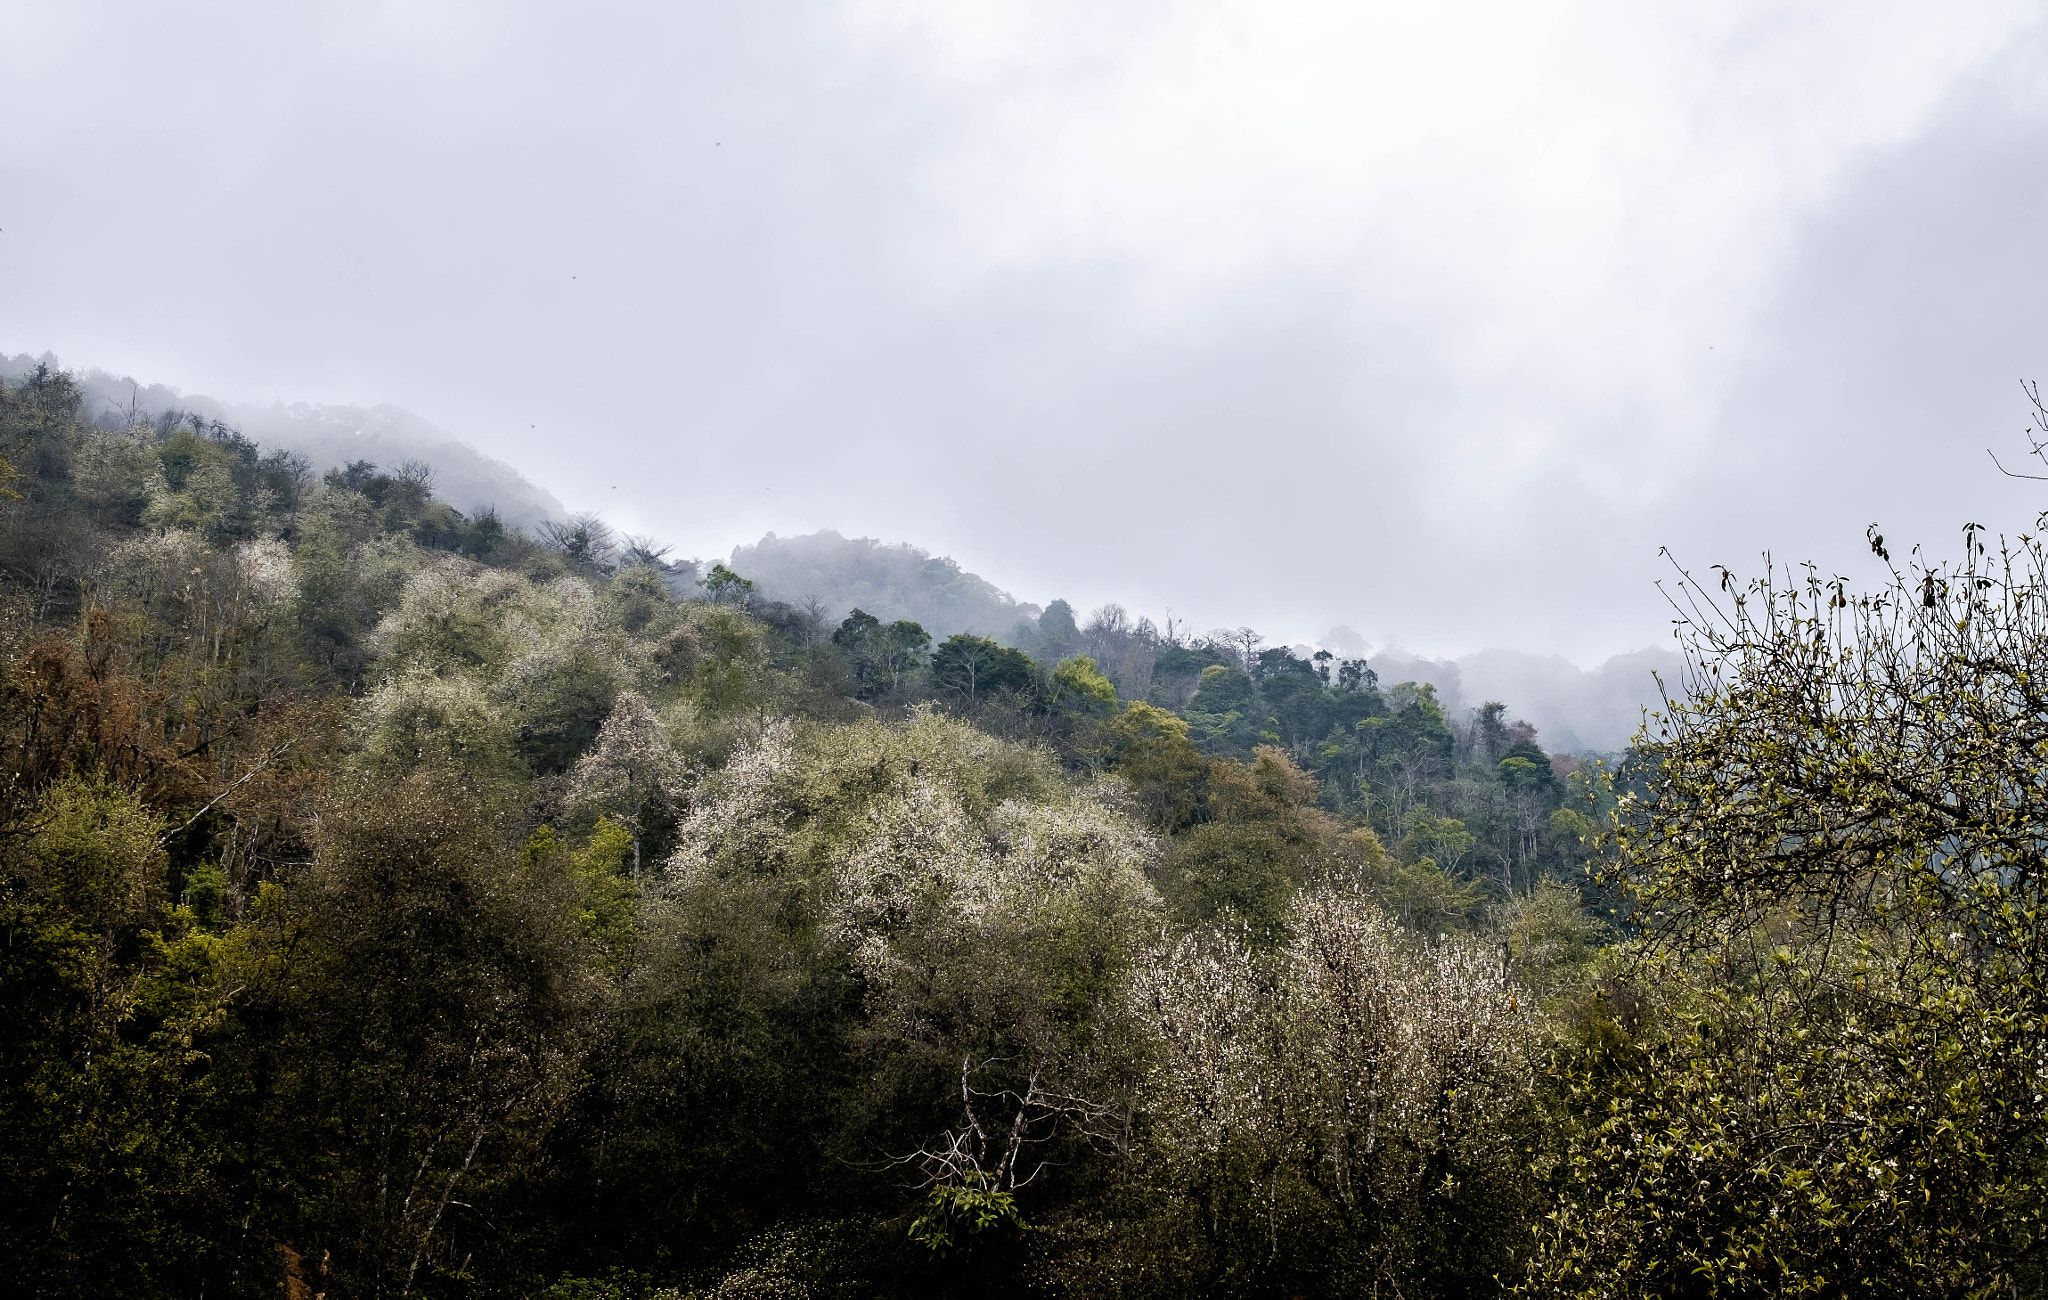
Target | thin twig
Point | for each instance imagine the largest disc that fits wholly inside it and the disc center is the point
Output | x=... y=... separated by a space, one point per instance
x=2038 y=478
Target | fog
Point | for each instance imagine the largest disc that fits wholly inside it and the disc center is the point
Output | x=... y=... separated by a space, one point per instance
x=1437 y=322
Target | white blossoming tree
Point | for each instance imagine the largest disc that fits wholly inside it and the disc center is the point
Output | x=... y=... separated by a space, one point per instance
x=1350 y=1106
x=988 y=911
x=632 y=774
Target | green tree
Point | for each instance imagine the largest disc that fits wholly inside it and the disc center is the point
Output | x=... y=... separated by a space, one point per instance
x=1405 y=751
x=1058 y=634
x=726 y=587
x=409 y=1026
x=1837 y=870
x=105 y=1163
x=1261 y=838
x=1079 y=687
x=1150 y=749
x=883 y=656
x=972 y=668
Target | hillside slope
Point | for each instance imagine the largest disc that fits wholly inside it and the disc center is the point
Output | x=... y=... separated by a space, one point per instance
x=328 y=436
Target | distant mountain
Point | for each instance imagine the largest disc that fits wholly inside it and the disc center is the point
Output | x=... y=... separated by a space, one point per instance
x=1573 y=709
x=889 y=580
x=328 y=436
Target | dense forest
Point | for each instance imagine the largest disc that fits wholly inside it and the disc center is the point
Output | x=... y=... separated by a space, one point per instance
x=397 y=901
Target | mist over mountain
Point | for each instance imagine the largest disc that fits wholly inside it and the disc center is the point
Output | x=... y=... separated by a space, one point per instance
x=327 y=436
x=488 y=828
x=1574 y=709
x=889 y=580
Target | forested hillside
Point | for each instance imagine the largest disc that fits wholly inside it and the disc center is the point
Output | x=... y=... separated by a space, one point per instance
x=397 y=901
x=324 y=435
x=1581 y=711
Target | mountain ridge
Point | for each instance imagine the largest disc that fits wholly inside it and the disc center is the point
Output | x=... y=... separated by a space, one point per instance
x=329 y=436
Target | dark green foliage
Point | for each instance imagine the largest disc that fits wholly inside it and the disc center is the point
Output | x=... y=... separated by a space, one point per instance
x=104 y=1160
x=1222 y=689
x=884 y=658
x=409 y=1022
x=726 y=587
x=1058 y=634
x=1177 y=671
x=974 y=668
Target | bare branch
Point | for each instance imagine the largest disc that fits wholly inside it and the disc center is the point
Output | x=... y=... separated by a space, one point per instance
x=2038 y=478
x=246 y=777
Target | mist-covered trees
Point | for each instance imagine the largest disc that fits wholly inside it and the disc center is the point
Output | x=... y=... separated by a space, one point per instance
x=895 y=583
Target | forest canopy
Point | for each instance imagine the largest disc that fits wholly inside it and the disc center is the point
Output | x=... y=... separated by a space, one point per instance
x=397 y=900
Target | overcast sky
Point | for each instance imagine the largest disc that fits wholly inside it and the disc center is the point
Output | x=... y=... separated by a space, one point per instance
x=1433 y=319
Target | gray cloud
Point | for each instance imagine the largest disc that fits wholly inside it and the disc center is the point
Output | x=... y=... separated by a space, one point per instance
x=1891 y=357
x=1282 y=315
